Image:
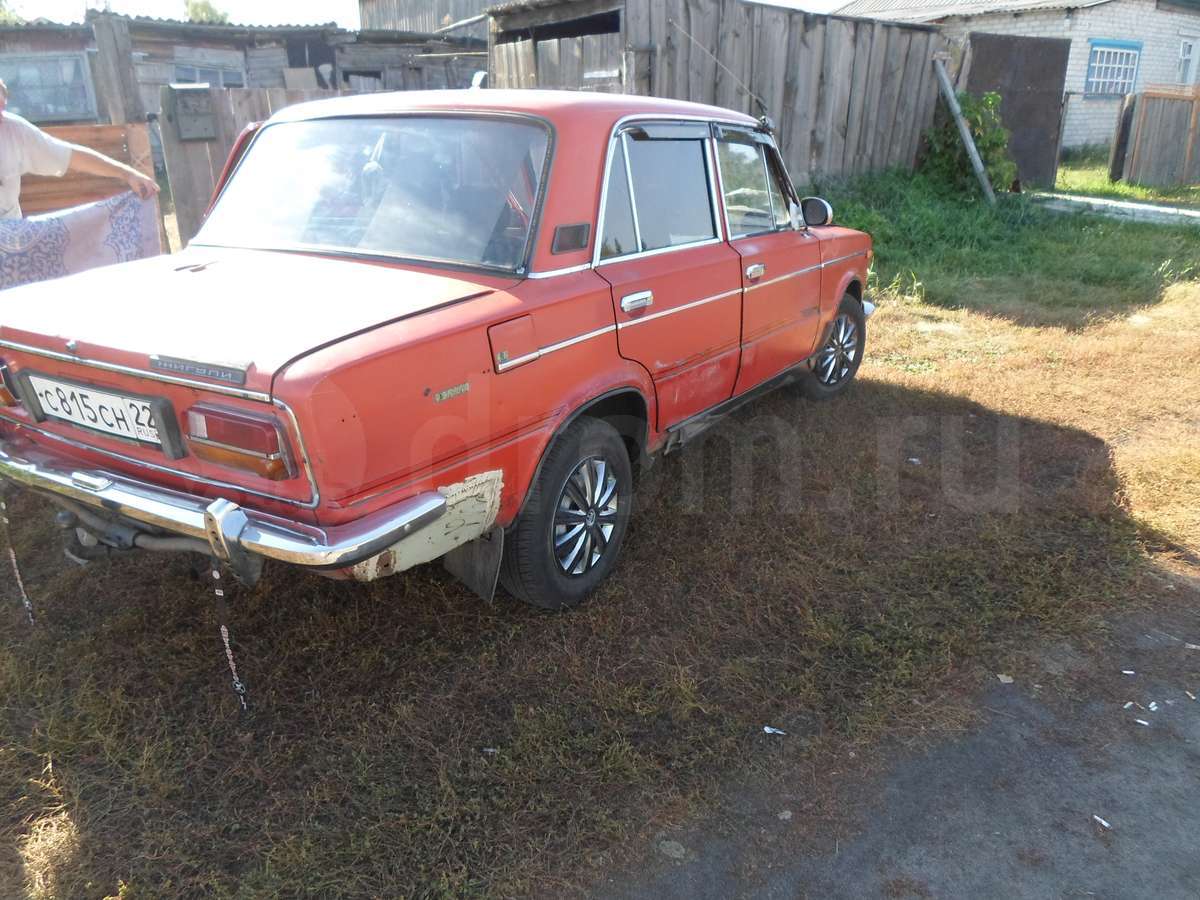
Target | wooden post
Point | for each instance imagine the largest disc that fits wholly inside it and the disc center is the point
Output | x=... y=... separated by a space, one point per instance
x=115 y=78
x=964 y=131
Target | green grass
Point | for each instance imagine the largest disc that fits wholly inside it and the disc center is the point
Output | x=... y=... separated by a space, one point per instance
x=1088 y=176
x=793 y=570
x=1017 y=260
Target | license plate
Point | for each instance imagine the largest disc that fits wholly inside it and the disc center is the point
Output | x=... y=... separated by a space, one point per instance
x=126 y=417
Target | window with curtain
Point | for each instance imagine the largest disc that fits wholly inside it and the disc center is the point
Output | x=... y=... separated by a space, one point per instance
x=49 y=87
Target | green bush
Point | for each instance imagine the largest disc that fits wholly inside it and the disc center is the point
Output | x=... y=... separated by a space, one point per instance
x=946 y=158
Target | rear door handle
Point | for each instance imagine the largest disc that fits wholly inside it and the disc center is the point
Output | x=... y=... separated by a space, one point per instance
x=755 y=271
x=640 y=300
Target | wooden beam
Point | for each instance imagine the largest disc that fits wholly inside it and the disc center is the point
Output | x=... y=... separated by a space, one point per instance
x=116 y=80
x=964 y=130
x=523 y=19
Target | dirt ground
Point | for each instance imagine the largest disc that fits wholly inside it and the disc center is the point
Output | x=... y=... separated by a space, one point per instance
x=1011 y=808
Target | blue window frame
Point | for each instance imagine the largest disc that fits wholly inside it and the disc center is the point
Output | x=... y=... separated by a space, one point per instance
x=1112 y=68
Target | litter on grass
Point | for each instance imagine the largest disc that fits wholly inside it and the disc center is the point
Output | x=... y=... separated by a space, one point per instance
x=1128 y=672
x=1127 y=705
x=767 y=729
x=1192 y=646
x=1005 y=679
x=1101 y=821
x=1142 y=722
x=1191 y=696
x=913 y=461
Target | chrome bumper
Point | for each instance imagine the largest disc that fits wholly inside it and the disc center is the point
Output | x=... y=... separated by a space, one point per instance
x=229 y=532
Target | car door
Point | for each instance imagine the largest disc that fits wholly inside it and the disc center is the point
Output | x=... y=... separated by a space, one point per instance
x=676 y=283
x=780 y=265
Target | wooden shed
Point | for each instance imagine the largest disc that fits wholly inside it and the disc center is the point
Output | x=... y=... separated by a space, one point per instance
x=847 y=95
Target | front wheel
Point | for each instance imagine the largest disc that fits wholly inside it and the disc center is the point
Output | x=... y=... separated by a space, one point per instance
x=836 y=363
x=567 y=539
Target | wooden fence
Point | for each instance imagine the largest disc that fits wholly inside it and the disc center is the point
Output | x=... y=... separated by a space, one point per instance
x=129 y=144
x=847 y=95
x=1159 y=137
x=194 y=166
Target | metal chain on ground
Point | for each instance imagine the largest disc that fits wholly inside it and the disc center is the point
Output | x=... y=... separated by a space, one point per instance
x=12 y=559
x=222 y=623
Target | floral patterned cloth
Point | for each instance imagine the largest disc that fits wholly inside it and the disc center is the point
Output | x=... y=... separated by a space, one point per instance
x=60 y=243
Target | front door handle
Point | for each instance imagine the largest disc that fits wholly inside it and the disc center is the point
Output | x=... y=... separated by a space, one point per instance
x=640 y=300
x=755 y=271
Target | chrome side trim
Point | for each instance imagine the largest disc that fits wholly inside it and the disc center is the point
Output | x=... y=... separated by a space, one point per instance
x=571 y=342
x=552 y=348
x=678 y=309
x=554 y=273
x=518 y=361
x=221 y=524
x=214 y=387
x=779 y=278
x=834 y=262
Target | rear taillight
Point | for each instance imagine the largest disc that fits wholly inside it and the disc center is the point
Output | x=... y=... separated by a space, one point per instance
x=8 y=392
x=230 y=437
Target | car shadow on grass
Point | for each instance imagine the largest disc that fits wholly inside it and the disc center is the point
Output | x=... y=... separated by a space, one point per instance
x=824 y=569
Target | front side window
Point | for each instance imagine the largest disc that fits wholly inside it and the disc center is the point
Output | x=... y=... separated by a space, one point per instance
x=757 y=193
x=744 y=182
x=439 y=189
x=1112 y=68
x=49 y=87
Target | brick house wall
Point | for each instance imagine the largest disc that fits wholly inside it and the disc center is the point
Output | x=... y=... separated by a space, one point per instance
x=1159 y=27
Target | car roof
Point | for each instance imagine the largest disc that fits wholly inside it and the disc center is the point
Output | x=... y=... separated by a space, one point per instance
x=555 y=106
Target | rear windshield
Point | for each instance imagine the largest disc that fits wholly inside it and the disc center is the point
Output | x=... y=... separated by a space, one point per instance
x=443 y=189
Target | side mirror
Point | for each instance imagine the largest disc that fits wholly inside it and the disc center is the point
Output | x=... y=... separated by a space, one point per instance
x=816 y=211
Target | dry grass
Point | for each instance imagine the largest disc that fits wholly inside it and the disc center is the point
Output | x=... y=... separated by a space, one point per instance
x=795 y=569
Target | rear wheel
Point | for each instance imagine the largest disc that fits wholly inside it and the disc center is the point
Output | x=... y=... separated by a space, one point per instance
x=568 y=537
x=836 y=363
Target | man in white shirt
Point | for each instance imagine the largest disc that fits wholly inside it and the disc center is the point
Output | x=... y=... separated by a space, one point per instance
x=27 y=150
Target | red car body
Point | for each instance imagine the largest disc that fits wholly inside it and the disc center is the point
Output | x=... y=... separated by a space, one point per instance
x=395 y=389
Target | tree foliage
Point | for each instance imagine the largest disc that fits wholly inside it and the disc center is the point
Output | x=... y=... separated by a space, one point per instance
x=946 y=158
x=7 y=16
x=203 y=12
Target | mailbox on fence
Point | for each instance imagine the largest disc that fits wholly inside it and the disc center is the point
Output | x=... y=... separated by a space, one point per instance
x=191 y=112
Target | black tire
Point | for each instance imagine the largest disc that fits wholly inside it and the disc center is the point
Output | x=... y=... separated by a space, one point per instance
x=535 y=569
x=833 y=367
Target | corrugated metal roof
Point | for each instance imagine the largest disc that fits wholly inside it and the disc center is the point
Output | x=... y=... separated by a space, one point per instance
x=932 y=10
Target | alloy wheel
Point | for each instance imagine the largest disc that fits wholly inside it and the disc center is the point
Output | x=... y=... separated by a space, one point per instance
x=585 y=516
x=838 y=355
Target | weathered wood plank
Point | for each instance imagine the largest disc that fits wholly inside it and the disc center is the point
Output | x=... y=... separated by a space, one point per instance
x=735 y=49
x=770 y=72
x=864 y=33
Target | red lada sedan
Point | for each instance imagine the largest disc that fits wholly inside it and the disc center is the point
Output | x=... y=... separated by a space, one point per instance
x=431 y=325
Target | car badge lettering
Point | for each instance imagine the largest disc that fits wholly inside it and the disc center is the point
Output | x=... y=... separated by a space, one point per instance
x=450 y=393
x=224 y=374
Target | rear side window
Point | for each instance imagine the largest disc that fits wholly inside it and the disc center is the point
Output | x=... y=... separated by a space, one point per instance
x=748 y=197
x=670 y=190
x=619 y=235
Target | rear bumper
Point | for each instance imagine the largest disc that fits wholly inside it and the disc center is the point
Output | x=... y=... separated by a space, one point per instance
x=229 y=532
